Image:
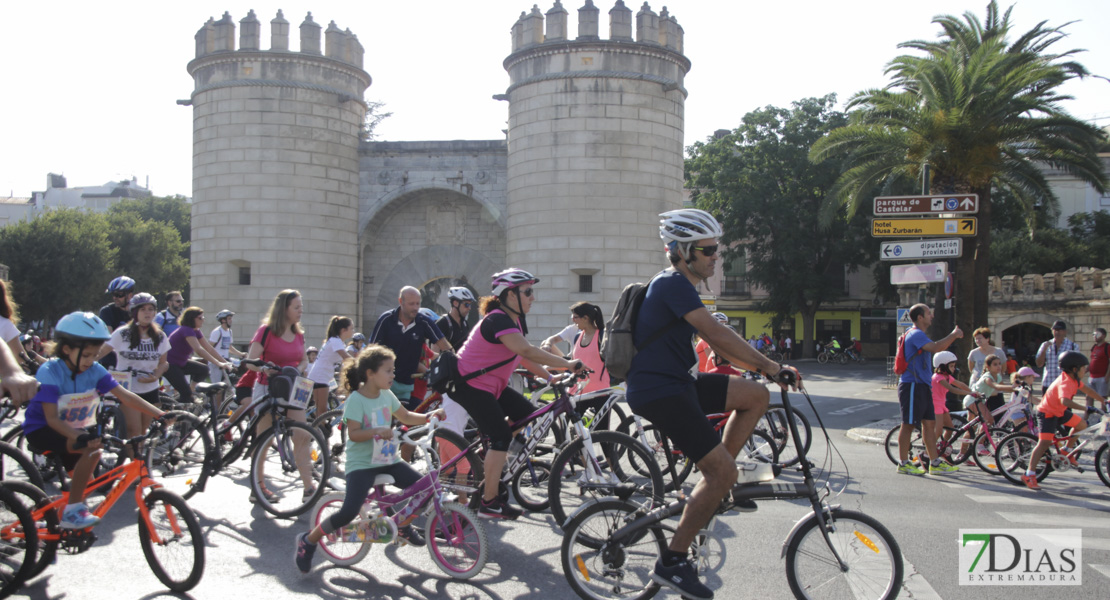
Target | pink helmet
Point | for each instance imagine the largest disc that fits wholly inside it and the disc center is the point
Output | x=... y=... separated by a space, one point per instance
x=511 y=278
x=1026 y=372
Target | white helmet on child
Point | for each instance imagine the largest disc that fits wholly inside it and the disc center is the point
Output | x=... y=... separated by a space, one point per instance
x=721 y=317
x=943 y=358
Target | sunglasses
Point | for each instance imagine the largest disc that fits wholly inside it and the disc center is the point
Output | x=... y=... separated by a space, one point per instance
x=527 y=292
x=708 y=251
x=120 y=294
x=466 y=304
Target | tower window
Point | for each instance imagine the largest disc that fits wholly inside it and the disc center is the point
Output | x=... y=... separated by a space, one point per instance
x=585 y=284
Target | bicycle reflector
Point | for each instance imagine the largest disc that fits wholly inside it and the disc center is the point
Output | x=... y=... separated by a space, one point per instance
x=581 y=566
x=867 y=541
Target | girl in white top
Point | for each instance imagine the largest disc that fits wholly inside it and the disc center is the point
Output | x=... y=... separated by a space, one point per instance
x=332 y=353
x=140 y=345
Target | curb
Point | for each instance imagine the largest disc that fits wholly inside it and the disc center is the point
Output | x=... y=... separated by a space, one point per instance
x=875 y=432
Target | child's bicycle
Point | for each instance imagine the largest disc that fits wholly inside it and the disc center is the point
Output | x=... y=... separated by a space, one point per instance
x=17 y=552
x=456 y=538
x=1015 y=452
x=611 y=545
x=171 y=537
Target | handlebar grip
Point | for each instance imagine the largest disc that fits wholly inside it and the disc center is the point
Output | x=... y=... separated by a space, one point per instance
x=83 y=440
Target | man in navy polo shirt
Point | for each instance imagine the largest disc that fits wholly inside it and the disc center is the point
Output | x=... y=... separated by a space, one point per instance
x=404 y=330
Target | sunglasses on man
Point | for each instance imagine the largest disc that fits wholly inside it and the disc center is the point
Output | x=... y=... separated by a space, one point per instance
x=708 y=251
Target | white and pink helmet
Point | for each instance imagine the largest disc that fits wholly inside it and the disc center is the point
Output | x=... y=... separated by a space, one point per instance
x=511 y=278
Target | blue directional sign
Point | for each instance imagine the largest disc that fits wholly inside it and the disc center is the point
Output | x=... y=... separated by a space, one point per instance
x=951 y=203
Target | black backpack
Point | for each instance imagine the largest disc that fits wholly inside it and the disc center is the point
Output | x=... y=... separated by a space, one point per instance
x=617 y=347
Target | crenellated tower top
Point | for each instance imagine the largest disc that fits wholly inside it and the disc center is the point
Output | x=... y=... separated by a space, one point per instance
x=660 y=29
x=219 y=37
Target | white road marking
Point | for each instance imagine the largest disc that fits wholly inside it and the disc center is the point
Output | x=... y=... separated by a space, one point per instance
x=1104 y=569
x=1056 y=520
x=1040 y=500
x=914 y=583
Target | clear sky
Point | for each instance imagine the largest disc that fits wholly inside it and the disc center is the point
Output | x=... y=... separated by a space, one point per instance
x=90 y=88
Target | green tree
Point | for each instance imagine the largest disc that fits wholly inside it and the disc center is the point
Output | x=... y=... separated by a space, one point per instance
x=982 y=113
x=150 y=252
x=768 y=195
x=60 y=262
x=173 y=210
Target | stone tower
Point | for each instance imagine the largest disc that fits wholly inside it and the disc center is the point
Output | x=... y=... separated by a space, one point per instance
x=275 y=169
x=595 y=151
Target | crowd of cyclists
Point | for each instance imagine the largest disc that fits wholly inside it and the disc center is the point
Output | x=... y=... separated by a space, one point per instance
x=671 y=382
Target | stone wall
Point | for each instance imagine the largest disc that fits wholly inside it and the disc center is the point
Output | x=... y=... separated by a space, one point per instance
x=1080 y=296
x=275 y=168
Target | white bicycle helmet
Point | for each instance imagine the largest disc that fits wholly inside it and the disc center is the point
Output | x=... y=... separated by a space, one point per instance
x=943 y=358
x=461 y=294
x=141 y=299
x=722 y=318
x=312 y=349
x=511 y=278
x=223 y=314
x=688 y=225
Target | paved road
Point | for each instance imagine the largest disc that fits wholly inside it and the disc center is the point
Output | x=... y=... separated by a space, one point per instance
x=250 y=553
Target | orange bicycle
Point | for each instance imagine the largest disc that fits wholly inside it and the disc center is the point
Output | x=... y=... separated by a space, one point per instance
x=168 y=529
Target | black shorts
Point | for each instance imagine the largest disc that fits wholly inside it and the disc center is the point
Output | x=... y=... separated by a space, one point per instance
x=682 y=417
x=995 y=402
x=1050 y=426
x=151 y=397
x=916 y=400
x=316 y=386
x=489 y=413
x=45 y=440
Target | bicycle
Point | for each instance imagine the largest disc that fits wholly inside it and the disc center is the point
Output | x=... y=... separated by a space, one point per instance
x=1015 y=452
x=456 y=538
x=18 y=550
x=14 y=463
x=282 y=493
x=169 y=531
x=610 y=546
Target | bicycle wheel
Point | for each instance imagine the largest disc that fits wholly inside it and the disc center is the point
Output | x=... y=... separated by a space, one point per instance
x=177 y=555
x=34 y=498
x=278 y=474
x=1102 y=464
x=842 y=358
x=870 y=552
x=984 y=449
x=48 y=468
x=619 y=570
x=465 y=475
x=1013 y=455
x=342 y=546
x=759 y=448
x=17 y=466
x=181 y=458
x=529 y=485
x=775 y=424
x=822 y=357
x=334 y=428
x=917 y=447
x=457 y=541
x=18 y=544
x=672 y=463
x=581 y=474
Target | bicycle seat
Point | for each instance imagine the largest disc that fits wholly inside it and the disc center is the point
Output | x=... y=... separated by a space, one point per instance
x=383 y=479
x=211 y=388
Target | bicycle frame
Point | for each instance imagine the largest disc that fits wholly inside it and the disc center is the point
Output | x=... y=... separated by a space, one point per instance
x=120 y=478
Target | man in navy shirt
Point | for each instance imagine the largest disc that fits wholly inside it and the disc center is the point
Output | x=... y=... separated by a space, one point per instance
x=404 y=330
x=915 y=392
x=662 y=389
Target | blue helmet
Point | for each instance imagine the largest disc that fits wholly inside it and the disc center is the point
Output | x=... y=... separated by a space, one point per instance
x=82 y=327
x=123 y=283
x=431 y=314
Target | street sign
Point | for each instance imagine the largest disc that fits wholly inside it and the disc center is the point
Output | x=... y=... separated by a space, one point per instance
x=923 y=273
x=904 y=318
x=958 y=204
x=922 y=227
x=919 y=249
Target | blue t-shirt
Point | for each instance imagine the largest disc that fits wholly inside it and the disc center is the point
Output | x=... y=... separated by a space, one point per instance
x=663 y=368
x=408 y=344
x=55 y=381
x=920 y=361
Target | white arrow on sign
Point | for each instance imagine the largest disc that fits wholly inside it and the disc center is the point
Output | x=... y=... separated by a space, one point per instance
x=924 y=273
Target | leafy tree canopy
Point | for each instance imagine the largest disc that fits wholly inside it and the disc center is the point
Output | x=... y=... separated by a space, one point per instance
x=760 y=183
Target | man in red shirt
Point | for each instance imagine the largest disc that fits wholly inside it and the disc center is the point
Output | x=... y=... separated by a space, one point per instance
x=1100 y=360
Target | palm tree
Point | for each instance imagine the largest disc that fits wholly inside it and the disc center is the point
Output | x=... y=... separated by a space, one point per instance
x=980 y=112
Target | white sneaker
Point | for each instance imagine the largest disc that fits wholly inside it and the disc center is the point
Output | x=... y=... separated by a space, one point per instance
x=753 y=472
x=78 y=517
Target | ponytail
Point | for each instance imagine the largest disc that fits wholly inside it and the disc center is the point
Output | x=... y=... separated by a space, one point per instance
x=369 y=358
x=335 y=325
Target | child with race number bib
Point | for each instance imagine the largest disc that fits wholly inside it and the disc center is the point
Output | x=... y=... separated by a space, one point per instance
x=989 y=384
x=1054 y=413
x=70 y=386
x=140 y=346
x=944 y=381
x=371 y=451
x=332 y=353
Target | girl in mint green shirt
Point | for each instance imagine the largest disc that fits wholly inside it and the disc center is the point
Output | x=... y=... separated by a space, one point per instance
x=371 y=447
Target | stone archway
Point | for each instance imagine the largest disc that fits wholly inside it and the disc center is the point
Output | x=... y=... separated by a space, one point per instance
x=429 y=235
x=1023 y=333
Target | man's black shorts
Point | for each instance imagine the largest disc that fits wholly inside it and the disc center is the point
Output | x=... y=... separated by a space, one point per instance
x=682 y=417
x=917 y=402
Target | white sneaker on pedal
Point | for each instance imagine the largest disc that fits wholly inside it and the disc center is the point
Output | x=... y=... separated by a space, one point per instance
x=753 y=471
